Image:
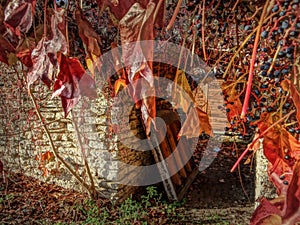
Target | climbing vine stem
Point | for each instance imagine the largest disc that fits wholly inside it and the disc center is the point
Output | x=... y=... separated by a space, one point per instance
x=252 y=63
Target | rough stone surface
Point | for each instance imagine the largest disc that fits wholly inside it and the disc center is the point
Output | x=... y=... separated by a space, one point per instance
x=263 y=187
x=24 y=144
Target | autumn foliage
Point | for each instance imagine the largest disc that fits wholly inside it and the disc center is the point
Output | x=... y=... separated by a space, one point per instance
x=261 y=47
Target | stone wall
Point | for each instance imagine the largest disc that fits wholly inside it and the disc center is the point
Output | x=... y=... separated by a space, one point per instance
x=263 y=186
x=25 y=147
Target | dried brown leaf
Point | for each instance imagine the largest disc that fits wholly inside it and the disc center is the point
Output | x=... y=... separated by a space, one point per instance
x=5 y=49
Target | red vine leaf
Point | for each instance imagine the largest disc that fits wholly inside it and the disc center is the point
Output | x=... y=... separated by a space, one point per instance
x=91 y=42
x=287 y=85
x=283 y=210
x=283 y=152
x=277 y=145
x=137 y=55
x=18 y=15
x=44 y=56
x=24 y=51
x=5 y=48
x=57 y=42
x=42 y=67
x=292 y=206
x=72 y=83
x=266 y=214
x=2 y=26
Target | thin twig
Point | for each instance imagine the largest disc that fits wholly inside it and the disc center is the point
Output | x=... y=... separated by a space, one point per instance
x=240 y=174
x=83 y=154
x=176 y=11
x=257 y=9
x=218 y=4
x=240 y=48
x=235 y=5
x=45 y=18
x=202 y=31
x=54 y=150
x=157 y=9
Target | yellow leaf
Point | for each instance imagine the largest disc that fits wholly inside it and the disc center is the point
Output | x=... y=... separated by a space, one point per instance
x=248 y=161
x=120 y=83
x=181 y=101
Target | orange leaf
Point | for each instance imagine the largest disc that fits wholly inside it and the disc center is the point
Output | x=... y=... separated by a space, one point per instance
x=120 y=83
x=272 y=220
x=46 y=156
x=234 y=103
x=45 y=171
x=265 y=214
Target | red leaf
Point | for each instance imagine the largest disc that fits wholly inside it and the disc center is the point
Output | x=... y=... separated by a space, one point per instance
x=42 y=66
x=283 y=152
x=118 y=8
x=44 y=56
x=72 y=83
x=2 y=26
x=292 y=206
x=91 y=42
x=264 y=213
x=57 y=42
x=25 y=57
x=18 y=15
x=5 y=48
x=284 y=209
x=277 y=144
x=136 y=25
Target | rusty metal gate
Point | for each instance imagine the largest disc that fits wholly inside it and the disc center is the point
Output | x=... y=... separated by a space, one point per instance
x=166 y=141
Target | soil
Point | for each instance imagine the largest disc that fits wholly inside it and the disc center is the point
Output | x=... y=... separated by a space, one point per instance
x=218 y=196
x=215 y=197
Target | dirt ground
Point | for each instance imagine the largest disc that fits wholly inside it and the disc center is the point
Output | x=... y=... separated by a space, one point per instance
x=218 y=196
x=215 y=197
